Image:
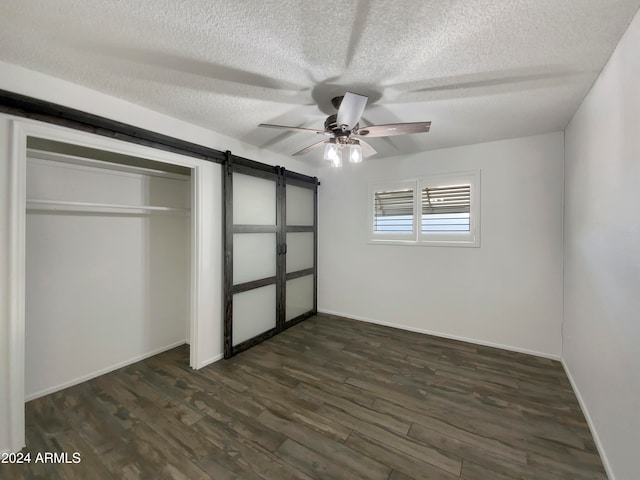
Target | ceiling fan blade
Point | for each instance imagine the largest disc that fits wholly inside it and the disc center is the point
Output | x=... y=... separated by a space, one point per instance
x=309 y=148
x=393 y=129
x=351 y=109
x=367 y=150
x=294 y=129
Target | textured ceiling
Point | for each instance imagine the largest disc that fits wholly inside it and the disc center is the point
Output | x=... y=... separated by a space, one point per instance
x=480 y=70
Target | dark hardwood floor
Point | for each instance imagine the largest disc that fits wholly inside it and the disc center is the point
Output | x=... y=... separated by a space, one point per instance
x=328 y=399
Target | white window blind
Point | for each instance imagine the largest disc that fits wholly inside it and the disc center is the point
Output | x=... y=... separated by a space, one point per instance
x=393 y=210
x=446 y=209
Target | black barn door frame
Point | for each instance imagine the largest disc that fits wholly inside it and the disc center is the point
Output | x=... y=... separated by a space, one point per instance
x=282 y=177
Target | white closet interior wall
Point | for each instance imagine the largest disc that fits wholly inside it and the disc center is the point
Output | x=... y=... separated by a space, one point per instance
x=107 y=265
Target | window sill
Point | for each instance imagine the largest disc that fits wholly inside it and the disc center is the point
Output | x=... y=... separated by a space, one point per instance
x=430 y=243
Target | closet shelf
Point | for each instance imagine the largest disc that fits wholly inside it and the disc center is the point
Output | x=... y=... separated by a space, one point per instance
x=68 y=206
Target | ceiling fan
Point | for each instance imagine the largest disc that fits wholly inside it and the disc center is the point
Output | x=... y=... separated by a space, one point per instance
x=343 y=130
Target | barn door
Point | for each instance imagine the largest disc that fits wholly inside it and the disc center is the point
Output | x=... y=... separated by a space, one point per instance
x=300 y=279
x=270 y=255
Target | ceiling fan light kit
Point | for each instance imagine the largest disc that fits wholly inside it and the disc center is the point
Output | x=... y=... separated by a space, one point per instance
x=344 y=130
x=333 y=152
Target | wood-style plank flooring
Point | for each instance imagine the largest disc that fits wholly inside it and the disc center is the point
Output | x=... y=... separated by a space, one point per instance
x=327 y=399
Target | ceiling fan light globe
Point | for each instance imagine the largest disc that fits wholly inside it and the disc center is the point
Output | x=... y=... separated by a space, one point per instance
x=355 y=153
x=336 y=160
x=330 y=151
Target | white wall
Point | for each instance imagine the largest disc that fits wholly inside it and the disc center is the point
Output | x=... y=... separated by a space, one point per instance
x=602 y=257
x=108 y=286
x=26 y=82
x=508 y=292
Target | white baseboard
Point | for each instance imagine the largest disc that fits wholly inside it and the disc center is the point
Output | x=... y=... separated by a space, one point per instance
x=444 y=335
x=211 y=360
x=102 y=371
x=587 y=416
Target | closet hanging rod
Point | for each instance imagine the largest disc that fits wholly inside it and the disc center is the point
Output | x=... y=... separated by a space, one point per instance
x=63 y=205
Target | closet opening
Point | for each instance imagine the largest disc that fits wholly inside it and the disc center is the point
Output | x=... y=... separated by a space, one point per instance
x=110 y=260
x=107 y=243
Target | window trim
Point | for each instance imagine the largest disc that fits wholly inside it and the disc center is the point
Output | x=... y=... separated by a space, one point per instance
x=418 y=237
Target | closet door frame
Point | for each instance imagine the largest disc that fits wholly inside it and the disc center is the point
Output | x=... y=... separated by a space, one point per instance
x=282 y=177
x=21 y=129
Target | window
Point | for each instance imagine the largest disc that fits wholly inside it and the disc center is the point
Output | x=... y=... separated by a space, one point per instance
x=394 y=211
x=436 y=210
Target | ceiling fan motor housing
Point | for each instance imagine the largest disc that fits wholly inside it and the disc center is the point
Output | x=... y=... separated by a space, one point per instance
x=331 y=125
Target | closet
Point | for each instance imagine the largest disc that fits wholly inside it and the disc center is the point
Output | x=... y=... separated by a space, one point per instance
x=107 y=262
